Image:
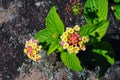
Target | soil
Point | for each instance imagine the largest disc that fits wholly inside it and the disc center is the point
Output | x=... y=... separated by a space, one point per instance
x=21 y=19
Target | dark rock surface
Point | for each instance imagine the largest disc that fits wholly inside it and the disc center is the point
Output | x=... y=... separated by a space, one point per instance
x=19 y=22
x=113 y=73
x=21 y=19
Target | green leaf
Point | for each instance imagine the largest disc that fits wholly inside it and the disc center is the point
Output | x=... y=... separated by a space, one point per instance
x=90 y=11
x=54 y=45
x=105 y=49
x=104 y=56
x=71 y=61
x=98 y=29
x=95 y=10
x=117 y=1
x=44 y=35
x=53 y=22
x=60 y=49
x=117 y=12
x=102 y=9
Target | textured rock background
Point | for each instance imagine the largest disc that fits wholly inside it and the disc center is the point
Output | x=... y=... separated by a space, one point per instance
x=21 y=19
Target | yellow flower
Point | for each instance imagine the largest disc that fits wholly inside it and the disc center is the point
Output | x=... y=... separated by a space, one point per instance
x=34 y=46
x=80 y=43
x=85 y=39
x=29 y=43
x=64 y=39
x=76 y=49
x=83 y=48
x=38 y=48
x=112 y=8
x=29 y=56
x=65 y=46
x=38 y=57
x=67 y=29
x=25 y=50
x=76 y=28
x=70 y=49
x=71 y=30
x=33 y=58
x=34 y=52
x=65 y=34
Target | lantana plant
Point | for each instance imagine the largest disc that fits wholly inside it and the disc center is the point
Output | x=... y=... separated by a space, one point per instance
x=32 y=49
x=74 y=40
x=71 y=41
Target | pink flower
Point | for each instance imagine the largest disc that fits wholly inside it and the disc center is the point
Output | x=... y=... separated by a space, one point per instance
x=62 y=43
x=74 y=42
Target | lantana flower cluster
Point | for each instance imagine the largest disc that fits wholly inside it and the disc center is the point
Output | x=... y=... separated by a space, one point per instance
x=72 y=41
x=32 y=49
